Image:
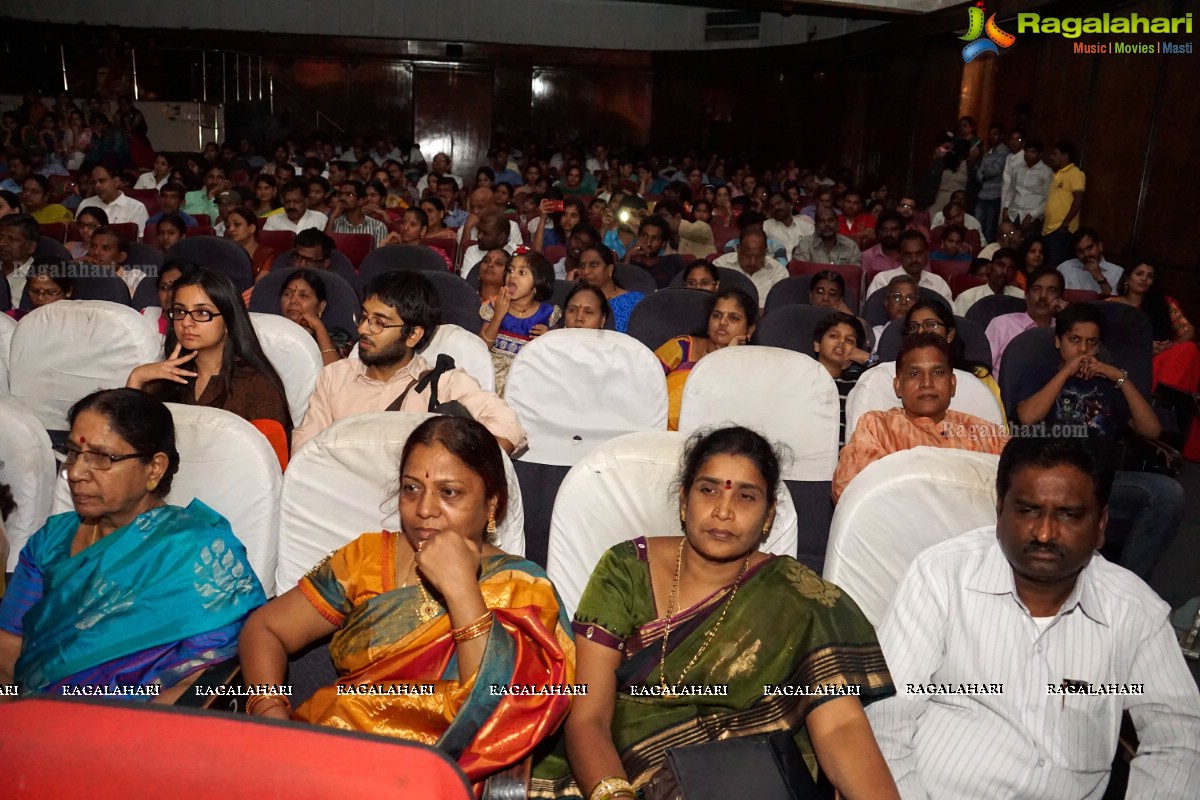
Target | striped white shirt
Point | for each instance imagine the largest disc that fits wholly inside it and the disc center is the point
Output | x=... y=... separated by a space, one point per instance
x=956 y=620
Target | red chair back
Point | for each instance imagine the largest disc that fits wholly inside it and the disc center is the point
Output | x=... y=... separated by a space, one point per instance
x=279 y=241
x=274 y=432
x=202 y=219
x=129 y=231
x=948 y=269
x=722 y=235
x=445 y=244
x=354 y=246
x=55 y=230
x=148 y=198
x=1080 y=295
x=555 y=252
x=134 y=750
x=961 y=282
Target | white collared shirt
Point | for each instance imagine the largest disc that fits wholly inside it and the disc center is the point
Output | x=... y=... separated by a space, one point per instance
x=789 y=235
x=956 y=620
x=1025 y=188
x=771 y=273
x=929 y=280
x=17 y=279
x=311 y=219
x=976 y=293
x=121 y=210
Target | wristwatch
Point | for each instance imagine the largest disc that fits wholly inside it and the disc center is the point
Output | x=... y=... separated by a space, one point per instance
x=1119 y=382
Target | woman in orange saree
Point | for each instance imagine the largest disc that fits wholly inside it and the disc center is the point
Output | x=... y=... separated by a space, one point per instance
x=438 y=636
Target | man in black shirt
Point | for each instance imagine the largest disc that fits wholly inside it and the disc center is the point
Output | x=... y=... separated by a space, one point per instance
x=1088 y=397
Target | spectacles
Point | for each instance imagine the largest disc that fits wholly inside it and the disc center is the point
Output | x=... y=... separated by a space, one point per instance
x=377 y=326
x=306 y=260
x=199 y=314
x=699 y=284
x=821 y=291
x=906 y=205
x=896 y=296
x=44 y=292
x=93 y=459
x=928 y=326
x=86 y=226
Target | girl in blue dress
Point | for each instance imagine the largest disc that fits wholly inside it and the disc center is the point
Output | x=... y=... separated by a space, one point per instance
x=518 y=312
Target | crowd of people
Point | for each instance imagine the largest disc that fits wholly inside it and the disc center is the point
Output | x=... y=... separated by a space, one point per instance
x=666 y=615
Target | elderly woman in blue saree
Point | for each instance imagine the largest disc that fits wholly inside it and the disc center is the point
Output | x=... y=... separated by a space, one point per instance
x=124 y=595
x=695 y=639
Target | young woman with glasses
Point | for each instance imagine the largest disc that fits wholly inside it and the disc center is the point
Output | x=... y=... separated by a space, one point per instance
x=212 y=355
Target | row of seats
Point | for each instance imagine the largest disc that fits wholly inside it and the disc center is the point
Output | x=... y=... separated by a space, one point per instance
x=344 y=483
x=573 y=390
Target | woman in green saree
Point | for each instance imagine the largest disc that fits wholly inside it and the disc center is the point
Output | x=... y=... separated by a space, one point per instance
x=686 y=640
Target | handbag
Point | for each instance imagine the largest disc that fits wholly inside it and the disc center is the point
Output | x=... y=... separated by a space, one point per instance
x=430 y=378
x=765 y=767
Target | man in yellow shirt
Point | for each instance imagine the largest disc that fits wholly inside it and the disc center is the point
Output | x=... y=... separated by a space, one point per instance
x=1062 y=204
x=35 y=194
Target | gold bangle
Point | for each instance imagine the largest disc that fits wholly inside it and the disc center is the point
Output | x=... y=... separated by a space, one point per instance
x=476 y=628
x=329 y=350
x=254 y=701
x=611 y=787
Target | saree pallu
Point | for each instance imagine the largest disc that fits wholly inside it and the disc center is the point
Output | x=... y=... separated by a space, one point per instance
x=382 y=642
x=151 y=603
x=786 y=627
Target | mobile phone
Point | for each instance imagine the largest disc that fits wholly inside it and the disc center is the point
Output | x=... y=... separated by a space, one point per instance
x=556 y=206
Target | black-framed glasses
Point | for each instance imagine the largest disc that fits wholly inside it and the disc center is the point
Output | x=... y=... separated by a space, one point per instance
x=93 y=459
x=896 y=297
x=700 y=284
x=378 y=326
x=927 y=326
x=197 y=314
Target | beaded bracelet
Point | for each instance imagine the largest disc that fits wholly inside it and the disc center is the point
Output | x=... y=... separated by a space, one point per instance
x=476 y=628
x=254 y=700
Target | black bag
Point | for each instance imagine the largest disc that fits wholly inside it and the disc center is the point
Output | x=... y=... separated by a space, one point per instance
x=764 y=767
x=430 y=378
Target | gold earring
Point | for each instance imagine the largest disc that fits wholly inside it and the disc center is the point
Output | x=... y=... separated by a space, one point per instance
x=682 y=517
x=150 y=485
x=491 y=526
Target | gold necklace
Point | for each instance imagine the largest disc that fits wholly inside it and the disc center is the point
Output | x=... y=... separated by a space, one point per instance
x=428 y=609
x=708 y=637
x=95 y=534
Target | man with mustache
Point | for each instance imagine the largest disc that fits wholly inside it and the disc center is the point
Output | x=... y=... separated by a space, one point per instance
x=885 y=254
x=1043 y=300
x=1098 y=400
x=1016 y=648
x=1089 y=269
x=924 y=383
x=400 y=313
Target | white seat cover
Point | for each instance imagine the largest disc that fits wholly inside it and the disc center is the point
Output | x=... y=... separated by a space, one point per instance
x=344 y=482
x=897 y=507
x=225 y=463
x=468 y=351
x=7 y=326
x=27 y=465
x=874 y=392
x=786 y=396
x=575 y=389
x=622 y=490
x=294 y=354
x=69 y=349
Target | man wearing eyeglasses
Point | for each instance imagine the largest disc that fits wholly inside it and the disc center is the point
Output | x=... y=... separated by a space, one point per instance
x=399 y=315
x=312 y=249
x=914 y=262
x=346 y=214
x=901 y=294
x=296 y=216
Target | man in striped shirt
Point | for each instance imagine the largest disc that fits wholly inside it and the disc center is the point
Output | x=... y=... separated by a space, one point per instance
x=1071 y=640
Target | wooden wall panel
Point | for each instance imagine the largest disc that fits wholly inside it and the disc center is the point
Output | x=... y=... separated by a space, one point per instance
x=1061 y=92
x=453 y=114
x=611 y=106
x=513 y=96
x=380 y=96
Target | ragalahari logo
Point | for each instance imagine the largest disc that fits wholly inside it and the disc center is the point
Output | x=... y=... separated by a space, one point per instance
x=995 y=40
